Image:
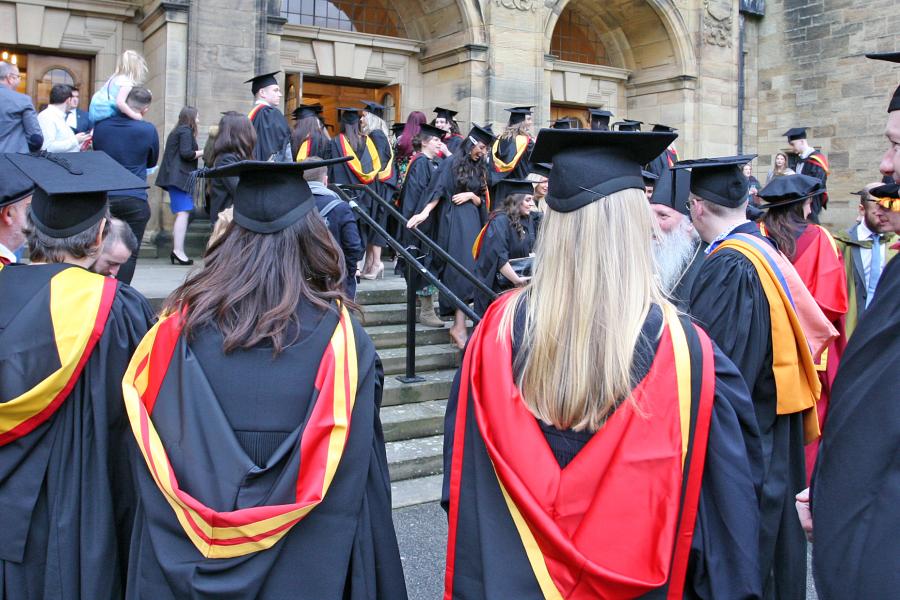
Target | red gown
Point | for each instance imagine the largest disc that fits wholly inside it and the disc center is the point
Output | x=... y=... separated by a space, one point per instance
x=818 y=263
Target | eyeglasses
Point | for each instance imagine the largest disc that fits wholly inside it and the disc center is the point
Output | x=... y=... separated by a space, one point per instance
x=687 y=205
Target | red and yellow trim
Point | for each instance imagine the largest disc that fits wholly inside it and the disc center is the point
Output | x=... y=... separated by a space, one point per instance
x=505 y=167
x=248 y=530
x=303 y=150
x=821 y=161
x=72 y=292
x=355 y=165
x=891 y=204
x=790 y=351
x=254 y=111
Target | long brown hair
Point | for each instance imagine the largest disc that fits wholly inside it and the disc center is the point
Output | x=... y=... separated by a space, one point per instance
x=354 y=135
x=188 y=116
x=784 y=224
x=236 y=136
x=251 y=284
x=512 y=206
x=307 y=127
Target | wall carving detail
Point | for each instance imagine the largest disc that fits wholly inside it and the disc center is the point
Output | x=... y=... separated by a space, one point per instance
x=523 y=5
x=718 y=20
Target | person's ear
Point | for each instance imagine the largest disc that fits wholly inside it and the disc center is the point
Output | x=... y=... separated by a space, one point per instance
x=101 y=232
x=5 y=217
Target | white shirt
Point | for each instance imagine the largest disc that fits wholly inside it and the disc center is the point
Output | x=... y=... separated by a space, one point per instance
x=804 y=156
x=7 y=253
x=58 y=137
x=864 y=233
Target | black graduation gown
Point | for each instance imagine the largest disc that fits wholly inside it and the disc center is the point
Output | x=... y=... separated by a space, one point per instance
x=728 y=301
x=723 y=556
x=455 y=230
x=811 y=168
x=66 y=501
x=453 y=142
x=419 y=174
x=235 y=445
x=387 y=189
x=273 y=136
x=856 y=483
x=506 y=150
x=319 y=145
x=341 y=174
x=500 y=243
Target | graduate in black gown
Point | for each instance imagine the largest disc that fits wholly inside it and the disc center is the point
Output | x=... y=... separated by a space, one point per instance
x=309 y=137
x=273 y=136
x=444 y=120
x=510 y=233
x=459 y=193
x=257 y=446
x=560 y=483
x=812 y=163
x=66 y=336
x=599 y=119
x=739 y=297
x=364 y=165
x=510 y=153
x=386 y=184
x=856 y=484
x=421 y=170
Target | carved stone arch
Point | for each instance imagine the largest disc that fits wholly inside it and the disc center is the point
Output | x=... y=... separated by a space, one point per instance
x=628 y=27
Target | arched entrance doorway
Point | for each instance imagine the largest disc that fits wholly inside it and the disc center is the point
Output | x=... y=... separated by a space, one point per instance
x=632 y=57
x=405 y=54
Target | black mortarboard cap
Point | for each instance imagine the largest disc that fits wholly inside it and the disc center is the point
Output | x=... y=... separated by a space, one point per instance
x=589 y=165
x=649 y=178
x=426 y=130
x=505 y=187
x=628 y=125
x=397 y=129
x=489 y=127
x=719 y=180
x=542 y=169
x=893 y=57
x=14 y=186
x=565 y=123
x=374 y=108
x=307 y=110
x=480 y=134
x=888 y=196
x=788 y=189
x=664 y=128
x=445 y=113
x=673 y=189
x=517 y=114
x=795 y=133
x=264 y=80
x=71 y=188
x=348 y=115
x=270 y=196
x=599 y=118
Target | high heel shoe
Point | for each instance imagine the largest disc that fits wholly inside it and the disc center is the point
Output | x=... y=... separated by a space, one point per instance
x=378 y=272
x=173 y=258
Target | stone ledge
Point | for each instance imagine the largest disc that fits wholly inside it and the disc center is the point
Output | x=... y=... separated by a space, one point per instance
x=448 y=58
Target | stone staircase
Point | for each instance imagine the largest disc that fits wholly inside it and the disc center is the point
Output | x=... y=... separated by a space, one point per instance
x=412 y=415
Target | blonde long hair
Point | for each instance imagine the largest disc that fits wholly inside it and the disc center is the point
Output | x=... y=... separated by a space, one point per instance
x=132 y=65
x=372 y=123
x=593 y=287
x=520 y=128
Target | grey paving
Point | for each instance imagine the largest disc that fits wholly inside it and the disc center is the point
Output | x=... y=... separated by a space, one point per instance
x=422 y=534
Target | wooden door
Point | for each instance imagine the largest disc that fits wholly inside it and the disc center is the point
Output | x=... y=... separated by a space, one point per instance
x=293 y=93
x=559 y=111
x=334 y=95
x=44 y=71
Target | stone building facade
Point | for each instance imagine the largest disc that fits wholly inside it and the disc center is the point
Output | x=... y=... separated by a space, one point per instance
x=729 y=78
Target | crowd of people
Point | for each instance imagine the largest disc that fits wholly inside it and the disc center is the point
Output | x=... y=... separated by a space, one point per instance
x=679 y=377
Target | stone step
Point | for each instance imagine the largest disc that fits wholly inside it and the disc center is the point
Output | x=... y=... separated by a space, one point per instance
x=394 y=336
x=381 y=292
x=420 y=457
x=384 y=314
x=410 y=421
x=416 y=491
x=428 y=358
x=435 y=387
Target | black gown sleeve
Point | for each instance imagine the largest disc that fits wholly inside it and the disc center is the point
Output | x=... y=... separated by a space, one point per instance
x=724 y=561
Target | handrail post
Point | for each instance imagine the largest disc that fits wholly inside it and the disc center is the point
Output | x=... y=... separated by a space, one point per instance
x=410 y=376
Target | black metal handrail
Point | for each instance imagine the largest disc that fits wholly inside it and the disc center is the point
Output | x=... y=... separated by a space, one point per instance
x=413 y=266
x=428 y=241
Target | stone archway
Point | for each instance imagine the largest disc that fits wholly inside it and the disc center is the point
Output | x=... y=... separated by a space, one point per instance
x=643 y=65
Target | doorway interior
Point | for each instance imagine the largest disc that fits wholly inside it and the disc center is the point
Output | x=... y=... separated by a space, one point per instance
x=40 y=72
x=334 y=93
